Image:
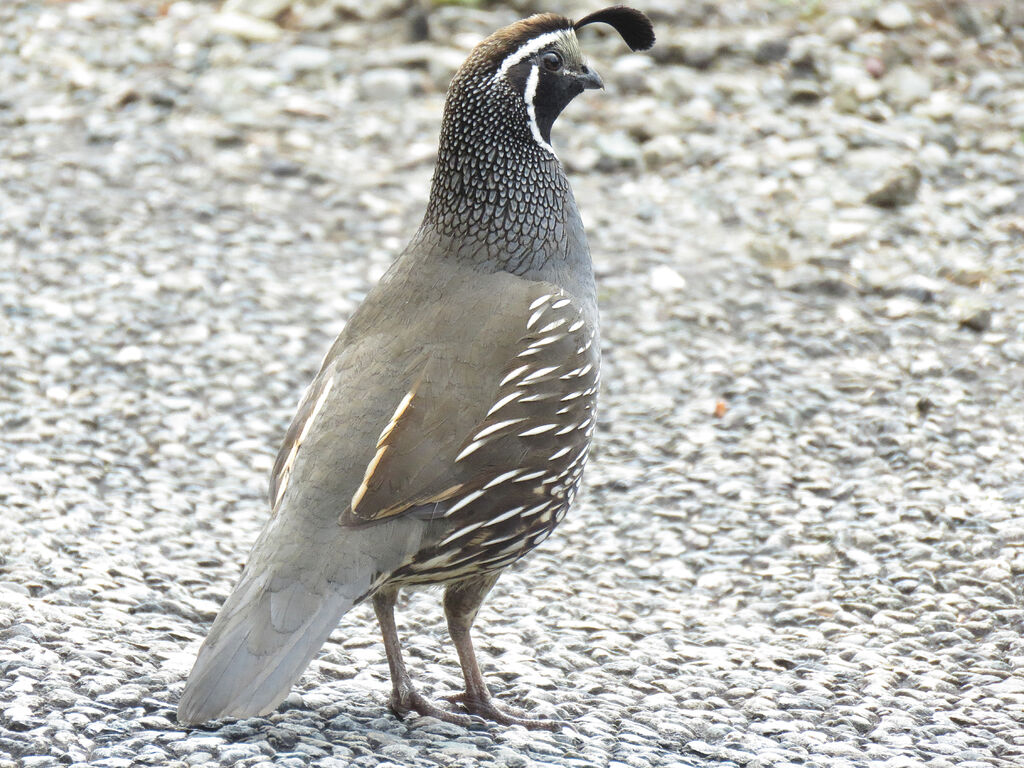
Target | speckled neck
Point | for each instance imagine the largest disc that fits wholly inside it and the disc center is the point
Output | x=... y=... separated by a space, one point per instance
x=501 y=198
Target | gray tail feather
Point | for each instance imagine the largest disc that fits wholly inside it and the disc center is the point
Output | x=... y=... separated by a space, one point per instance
x=300 y=580
x=262 y=640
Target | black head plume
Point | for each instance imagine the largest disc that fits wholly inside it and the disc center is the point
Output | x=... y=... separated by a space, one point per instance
x=636 y=29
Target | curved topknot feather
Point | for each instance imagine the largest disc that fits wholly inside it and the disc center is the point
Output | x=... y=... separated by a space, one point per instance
x=633 y=25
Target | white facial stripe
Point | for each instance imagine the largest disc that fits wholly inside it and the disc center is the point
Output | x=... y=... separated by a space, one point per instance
x=531 y=110
x=528 y=49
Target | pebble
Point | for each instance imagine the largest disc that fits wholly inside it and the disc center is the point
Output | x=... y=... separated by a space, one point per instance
x=905 y=87
x=665 y=279
x=261 y=9
x=771 y=50
x=999 y=200
x=304 y=58
x=245 y=27
x=894 y=16
x=617 y=149
x=843 y=30
x=899 y=188
x=662 y=150
x=845 y=232
x=973 y=313
x=941 y=51
x=803 y=90
x=387 y=84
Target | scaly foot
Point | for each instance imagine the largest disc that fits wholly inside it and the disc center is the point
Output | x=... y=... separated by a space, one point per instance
x=401 y=703
x=505 y=715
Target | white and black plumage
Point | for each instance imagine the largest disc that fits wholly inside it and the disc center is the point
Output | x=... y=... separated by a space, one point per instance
x=446 y=432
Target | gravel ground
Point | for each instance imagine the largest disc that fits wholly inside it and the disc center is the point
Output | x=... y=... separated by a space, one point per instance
x=801 y=541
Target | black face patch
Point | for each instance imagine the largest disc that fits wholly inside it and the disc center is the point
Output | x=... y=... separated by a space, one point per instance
x=554 y=90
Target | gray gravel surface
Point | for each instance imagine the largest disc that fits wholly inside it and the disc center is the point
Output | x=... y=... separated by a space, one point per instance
x=802 y=540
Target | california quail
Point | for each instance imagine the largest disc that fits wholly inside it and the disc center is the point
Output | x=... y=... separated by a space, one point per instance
x=446 y=432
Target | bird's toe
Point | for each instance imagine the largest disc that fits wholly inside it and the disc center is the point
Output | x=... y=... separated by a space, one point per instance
x=504 y=714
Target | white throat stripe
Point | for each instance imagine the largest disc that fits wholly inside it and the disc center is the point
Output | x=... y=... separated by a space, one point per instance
x=528 y=49
x=528 y=95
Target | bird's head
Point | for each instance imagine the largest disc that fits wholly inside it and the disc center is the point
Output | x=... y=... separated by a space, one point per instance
x=528 y=72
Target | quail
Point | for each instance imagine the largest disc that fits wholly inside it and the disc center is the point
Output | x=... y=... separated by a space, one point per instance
x=445 y=434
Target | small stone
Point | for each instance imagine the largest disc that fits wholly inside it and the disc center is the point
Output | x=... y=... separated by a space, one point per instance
x=39 y=761
x=980 y=321
x=804 y=77
x=874 y=66
x=245 y=27
x=804 y=91
x=842 y=31
x=401 y=752
x=973 y=313
x=771 y=50
x=867 y=89
x=261 y=9
x=998 y=200
x=968 y=19
x=232 y=754
x=663 y=149
x=700 y=57
x=899 y=189
x=458 y=751
x=941 y=52
x=304 y=58
x=1011 y=15
x=770 y=252
x=670 y=52
x=617 y=150
x=906 y=86
x=379 y=9
x=19 y=718
x=698 y=110
x=845 y=232
x=933 y=155
x=894 y=16
x=128 y=355
x=664 y=279
x=999 y=142
x=901 y=306
x=985 y=85
x=848 y=85
x=940 y=106
x=927 y=363
x=632 y=74
x=387 y=84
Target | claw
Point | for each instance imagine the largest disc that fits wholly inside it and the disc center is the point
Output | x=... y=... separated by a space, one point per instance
x=401 y=704
x=504 y=714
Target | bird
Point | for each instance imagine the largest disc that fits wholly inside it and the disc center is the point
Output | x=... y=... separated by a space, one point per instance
x=446 y=432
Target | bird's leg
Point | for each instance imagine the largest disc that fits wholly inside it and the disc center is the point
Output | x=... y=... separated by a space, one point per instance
x=404 y=696
x=461 y=602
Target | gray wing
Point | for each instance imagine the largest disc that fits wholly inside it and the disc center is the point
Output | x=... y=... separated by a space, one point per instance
x=425 y=399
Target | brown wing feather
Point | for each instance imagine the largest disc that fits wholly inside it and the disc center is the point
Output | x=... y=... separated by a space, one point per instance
x=312 y=401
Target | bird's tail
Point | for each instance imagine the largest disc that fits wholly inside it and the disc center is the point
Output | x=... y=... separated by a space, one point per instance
x=292 y=593
x=260 y=643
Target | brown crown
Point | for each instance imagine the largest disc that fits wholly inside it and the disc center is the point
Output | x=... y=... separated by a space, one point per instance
x=496 y=48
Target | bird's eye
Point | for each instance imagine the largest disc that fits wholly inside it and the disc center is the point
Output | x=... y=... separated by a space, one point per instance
x=552 y=61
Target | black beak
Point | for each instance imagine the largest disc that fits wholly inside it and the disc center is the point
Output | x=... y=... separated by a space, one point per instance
x=589 y=78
